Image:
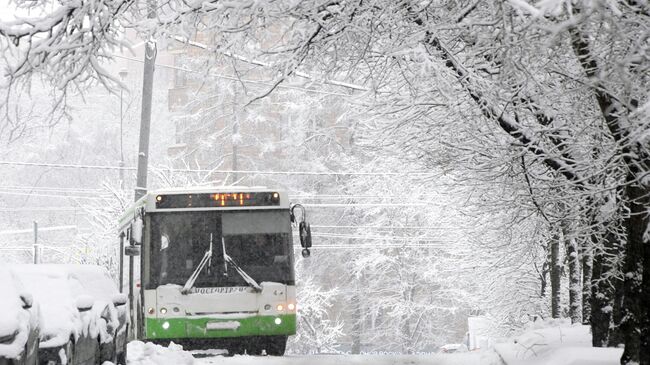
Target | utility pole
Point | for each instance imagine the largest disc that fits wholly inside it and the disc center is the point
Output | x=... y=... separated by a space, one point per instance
x=235 y=132
x=150 y=52
x=123 y=73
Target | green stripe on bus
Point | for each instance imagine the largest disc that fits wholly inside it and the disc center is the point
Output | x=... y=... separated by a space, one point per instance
x=184 y=327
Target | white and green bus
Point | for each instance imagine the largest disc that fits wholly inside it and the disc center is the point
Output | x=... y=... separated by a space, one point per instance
x=212 y=267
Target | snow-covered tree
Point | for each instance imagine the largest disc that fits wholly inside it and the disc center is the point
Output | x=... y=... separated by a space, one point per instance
x=548 y=96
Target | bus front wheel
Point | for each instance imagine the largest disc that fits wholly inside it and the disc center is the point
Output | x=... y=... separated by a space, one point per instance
x=276 y=346
x=235 y=348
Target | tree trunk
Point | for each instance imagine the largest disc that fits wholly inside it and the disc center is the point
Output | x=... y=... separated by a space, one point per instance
x=357 y=324
x=644 y=225
x=575 y=308
x=603 y=295
x=636 y=287
x=616 y=338
x=635 y=324
x=556 y=272
x=587 y=267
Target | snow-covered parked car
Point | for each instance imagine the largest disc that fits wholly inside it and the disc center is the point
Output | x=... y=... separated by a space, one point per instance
x=97 y=283
x=19 y=320
x=73 y=323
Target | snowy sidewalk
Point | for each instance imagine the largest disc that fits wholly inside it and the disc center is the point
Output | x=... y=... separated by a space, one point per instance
x=556 y=343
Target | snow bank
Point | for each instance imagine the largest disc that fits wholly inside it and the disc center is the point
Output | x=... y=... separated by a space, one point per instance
x=141 y=353
x=556 y=342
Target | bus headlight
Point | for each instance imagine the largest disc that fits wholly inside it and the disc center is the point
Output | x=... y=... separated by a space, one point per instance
x=163 y=310
x=267 y=307
x=278 y=321
x=280 y=307
x=165 y=325
x=291 y=306
x=151 y=311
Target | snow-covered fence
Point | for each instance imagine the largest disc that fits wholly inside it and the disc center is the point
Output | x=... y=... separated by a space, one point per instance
x=11 y=254
x=65 y=249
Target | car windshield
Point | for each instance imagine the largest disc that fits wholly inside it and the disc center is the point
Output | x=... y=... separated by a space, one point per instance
x=259 y=242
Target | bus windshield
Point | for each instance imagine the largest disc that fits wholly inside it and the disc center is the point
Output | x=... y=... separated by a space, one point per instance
x=258 y=241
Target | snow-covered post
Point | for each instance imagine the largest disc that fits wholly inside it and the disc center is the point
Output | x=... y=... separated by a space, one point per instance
x=37 y=254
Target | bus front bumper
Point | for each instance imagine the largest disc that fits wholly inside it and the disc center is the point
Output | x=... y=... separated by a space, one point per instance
x=206 y=327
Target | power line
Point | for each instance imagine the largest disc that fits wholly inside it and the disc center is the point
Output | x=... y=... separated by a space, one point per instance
x=43 y=229
x=334 y=205
x=366 y=247
x=381 y=238
x=40 y=209
x=102 y=197
x=65 y=166
x=233 y=78
x=54 y=189
x=48 y=195
x=252 y=172
x=335 y=196
x=89 y=191
x=388 y=227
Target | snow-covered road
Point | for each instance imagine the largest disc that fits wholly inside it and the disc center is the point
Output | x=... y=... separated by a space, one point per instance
x=447 y=359
x=149 y=354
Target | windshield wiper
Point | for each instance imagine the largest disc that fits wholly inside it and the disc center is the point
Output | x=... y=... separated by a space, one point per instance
x=206 y=257
x=240 y=271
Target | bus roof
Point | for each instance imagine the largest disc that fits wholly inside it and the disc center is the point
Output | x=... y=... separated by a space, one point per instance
x=208 y=189
x=147 y=200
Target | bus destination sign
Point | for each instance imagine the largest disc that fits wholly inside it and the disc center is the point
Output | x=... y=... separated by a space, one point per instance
x=217 y=200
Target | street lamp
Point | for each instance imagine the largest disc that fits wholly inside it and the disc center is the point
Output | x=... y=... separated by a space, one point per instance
x=123 y=73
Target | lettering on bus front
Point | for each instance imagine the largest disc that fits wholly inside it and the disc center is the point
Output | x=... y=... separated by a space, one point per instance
x=224 y=290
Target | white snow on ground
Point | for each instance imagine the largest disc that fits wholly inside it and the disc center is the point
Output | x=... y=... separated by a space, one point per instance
x=149 y=354
x=141 y=353
x=468 y=358
x=556 y=342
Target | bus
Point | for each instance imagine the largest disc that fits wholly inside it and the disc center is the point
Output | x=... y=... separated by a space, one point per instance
x=212 y=268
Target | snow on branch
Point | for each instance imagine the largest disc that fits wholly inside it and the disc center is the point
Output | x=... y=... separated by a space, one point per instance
x=58 y=50
x=66 y=45
x=506 y=123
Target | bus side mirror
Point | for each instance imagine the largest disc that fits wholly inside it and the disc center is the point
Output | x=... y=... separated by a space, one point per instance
x=305 y=234
x=304 y=230
x=132 y=251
